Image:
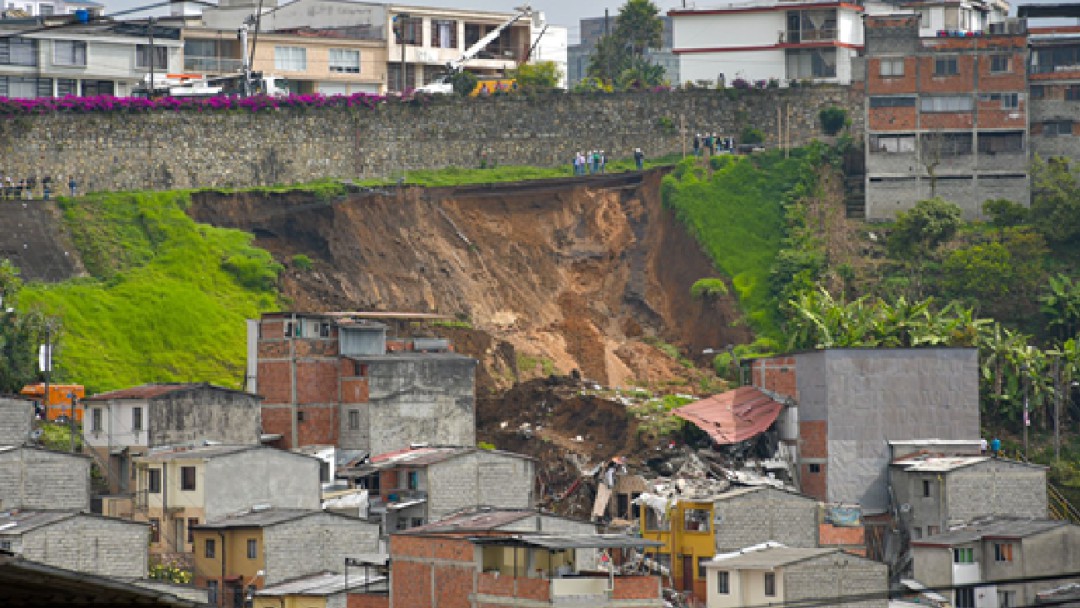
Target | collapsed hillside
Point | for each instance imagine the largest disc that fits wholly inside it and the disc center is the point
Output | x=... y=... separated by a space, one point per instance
x=546 y=277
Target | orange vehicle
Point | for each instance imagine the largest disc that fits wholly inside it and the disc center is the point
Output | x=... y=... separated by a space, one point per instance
x=58 y=402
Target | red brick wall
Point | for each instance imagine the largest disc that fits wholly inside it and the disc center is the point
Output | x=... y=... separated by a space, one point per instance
x=271 y=330
x=453 y=585
x=813 y=439
x=893 y=119
x=273 y=350
x=636 y=587
x=488 y=584
x=354 y=391
x=534 y=589
x=278 y=420
x=275 y=384
x=829 y=534
x=364 y=600
x=320 y=426
x=889 y=85
x=813 y=484
x=775 y=374
x=316 y=381
x=411 y=584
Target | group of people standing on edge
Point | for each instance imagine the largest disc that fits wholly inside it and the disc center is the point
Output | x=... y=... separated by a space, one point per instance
x=710 y=143
x=595 y=161
x=26 y=188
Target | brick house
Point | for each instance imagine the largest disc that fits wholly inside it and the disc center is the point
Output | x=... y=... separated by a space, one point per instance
x=998 y=549
x=339 y=379
x=413 y=487
x=946 y=110
x=234 y=556
x=778 y=575
x=503 y=569
x=36 y=478
x=125 y=423
x=941 y=492
x=82 y=542
x=179 y=488
x=848 y=403
x=1054 y=82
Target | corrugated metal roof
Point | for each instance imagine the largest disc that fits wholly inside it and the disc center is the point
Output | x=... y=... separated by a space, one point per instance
x=475 y=521
x=938 y=464
x=569 y=541
x=202 y=451
x=733 y=416
x=772 y=557
x=151 y=391
x=259 y=519
x=21 y=522
x=1001 y=527
x=325 y=583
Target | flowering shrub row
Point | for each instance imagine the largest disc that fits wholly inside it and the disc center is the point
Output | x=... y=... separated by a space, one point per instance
x=107 y=103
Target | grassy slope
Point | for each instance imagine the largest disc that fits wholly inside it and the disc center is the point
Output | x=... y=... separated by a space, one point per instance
x=738 y=217
x=167 y=299
x=457 y=176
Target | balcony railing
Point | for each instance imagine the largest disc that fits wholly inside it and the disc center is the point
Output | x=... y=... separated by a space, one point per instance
x=822 y=35
x=212 y=65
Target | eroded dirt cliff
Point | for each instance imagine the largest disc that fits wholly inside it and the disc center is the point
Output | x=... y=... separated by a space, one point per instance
x=590 y=274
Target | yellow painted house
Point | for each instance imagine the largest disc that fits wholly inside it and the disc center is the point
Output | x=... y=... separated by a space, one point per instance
x=686 y=531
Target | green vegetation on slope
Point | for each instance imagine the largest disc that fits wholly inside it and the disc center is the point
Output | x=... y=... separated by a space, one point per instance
x=167 y=298
x=738 y=215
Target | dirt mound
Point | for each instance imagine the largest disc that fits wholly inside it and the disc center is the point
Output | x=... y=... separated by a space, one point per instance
x=551 y=278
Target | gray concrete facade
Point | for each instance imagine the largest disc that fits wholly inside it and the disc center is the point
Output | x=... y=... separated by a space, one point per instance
x=837 y=575
x=16 y=420
x=480 y=479
x=865 y=397
x=764 y=514
x=35 y=478
x=238 y=481
x=319 y=542
x=205 y=412
x=992 y=487
x=421 y=398
x=83 y=543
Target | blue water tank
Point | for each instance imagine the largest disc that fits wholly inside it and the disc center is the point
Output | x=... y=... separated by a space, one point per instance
x=82 y=15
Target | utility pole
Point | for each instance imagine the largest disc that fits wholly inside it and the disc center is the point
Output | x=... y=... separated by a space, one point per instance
x=1058 y=386
x=401 y=18
x=1027 y=418
x=246 y=65
x=71 y=421
x=150 y=32
x=45 y=363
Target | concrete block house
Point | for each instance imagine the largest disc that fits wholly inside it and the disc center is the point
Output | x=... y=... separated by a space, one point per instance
x=339 y=379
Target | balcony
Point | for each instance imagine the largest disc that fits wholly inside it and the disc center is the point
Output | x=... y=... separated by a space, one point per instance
x=212 y=65
x=810 y=35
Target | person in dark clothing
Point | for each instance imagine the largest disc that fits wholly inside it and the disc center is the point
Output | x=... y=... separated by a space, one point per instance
x=72 y=185
x=697 y=144
x=46 y=187
x=31 y=186
x=639 y=158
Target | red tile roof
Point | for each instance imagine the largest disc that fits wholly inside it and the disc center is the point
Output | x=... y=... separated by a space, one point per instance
x=733 y=416
x=146 y=391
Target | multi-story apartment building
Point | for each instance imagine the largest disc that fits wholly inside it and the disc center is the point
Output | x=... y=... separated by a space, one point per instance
x=946 y=111
x=86 y=60
x=122 y=424
x=1054 y=84
x=768 y=40
x=338 y=379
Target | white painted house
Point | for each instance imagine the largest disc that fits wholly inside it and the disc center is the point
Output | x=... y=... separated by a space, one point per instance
x=761 y=40
x=550 y=43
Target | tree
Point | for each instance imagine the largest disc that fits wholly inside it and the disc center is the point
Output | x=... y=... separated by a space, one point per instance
x=1060 y=304
x=464 y=82
x=1055 y=206
x=1005 y=213
x=833 y=119
x=543 y=75
x=638 y=27
x=20 y=334
x=924 y=228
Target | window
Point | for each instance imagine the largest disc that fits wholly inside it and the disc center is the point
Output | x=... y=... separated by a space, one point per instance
x=417 y=522
x=654 y=521
x=412 y=479
x=892 y=66
x=93 y=88
x=994 y=143
x=18 y=51
x=1072 y=92
x=1037 y=91
x=354 y=420
x=407 y=30
x=443 y=34
x=1006 y=599
x=723 y=582
x=66 y=86
x=1003 y=552
x=892 y=102
x=963 y=556
x=932 y=530
x=5 y=545
x=925 y=488
x=945 y=66
x=1056 y=128
x=300 y=416
x=999 y=63
x=136 y=418
x=965 y=598
x=290 y=59
x=770 y=584
x=946 y=103
x=343 y=61
x=153 y=480
x=142 y=56
x=16 y=87
x=95 y=420
x=46 y=9
x=191 y=523
x=69 y=52
x=811 y=63
x=155 y=530
x=937 y=145
x=324 y=328
x=1009 y=101
x=892 y=144
x=815 y=468
x=187 y=478
x=252 y=548
x=701 y=572
x=209 y=549
x=696 y=520
x=916 y=533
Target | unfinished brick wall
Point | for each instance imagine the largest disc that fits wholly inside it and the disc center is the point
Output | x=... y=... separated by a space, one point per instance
x=367 y=600
x=636 y=587
x=776 y=374
x=432 y=572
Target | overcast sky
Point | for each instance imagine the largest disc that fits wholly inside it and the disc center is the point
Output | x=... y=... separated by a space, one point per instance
x=558 y=12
